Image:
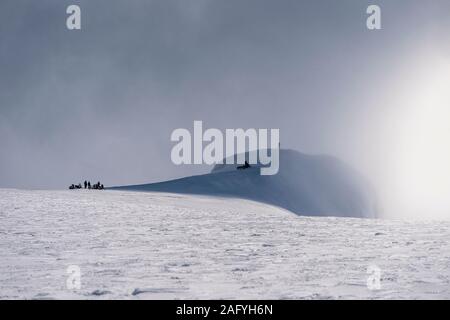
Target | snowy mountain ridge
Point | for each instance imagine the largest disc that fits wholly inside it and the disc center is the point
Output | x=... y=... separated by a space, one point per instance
x=307 y=185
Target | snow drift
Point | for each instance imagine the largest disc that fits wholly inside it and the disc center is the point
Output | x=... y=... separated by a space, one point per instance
x=306 y=185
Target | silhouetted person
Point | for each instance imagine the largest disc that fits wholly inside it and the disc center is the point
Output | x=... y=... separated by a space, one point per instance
x=89 y=185
x=85 y=184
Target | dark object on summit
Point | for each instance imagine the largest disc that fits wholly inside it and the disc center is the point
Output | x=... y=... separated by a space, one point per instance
x=245 y=166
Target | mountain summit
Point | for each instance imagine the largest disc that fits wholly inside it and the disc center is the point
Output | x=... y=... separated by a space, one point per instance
x=305 y=184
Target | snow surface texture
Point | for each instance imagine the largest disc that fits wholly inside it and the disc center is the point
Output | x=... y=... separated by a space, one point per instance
x=306 y=185
x=153 y=245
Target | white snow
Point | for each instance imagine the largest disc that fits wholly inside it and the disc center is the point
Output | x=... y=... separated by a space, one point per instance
x=153 y=245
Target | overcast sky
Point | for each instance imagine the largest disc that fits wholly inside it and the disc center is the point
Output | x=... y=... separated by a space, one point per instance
x=101 y=103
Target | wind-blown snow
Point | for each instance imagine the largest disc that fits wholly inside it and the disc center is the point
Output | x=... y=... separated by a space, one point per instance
x=154 y=245
x=306 y=185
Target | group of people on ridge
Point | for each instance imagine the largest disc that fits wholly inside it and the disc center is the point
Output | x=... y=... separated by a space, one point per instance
x=87 y=185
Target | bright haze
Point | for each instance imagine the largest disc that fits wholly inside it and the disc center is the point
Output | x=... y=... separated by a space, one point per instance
x=101 y=103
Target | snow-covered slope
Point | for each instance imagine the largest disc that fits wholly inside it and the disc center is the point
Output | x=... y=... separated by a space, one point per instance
x=135 y=245
x=305 y=184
